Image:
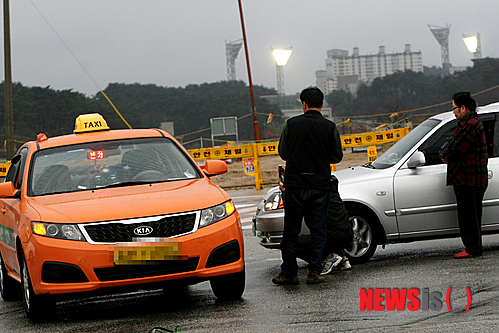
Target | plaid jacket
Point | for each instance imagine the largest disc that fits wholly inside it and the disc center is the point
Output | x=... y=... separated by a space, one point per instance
x=467 y=153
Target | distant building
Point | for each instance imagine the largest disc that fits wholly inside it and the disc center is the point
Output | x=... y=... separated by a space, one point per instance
x=438 y=71
x=455 y=69
x=284 y=102
x=346 y=72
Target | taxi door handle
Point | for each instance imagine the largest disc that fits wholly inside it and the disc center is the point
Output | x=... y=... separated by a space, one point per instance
x=3 y=210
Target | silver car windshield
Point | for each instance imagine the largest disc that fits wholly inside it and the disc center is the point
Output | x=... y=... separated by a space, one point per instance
x=108 y=164
x=398 y=150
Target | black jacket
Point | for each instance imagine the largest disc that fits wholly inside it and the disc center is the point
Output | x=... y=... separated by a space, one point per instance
x=309 y=144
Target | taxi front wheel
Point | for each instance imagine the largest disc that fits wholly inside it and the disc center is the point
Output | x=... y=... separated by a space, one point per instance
x=37 y=307
x=230 y=286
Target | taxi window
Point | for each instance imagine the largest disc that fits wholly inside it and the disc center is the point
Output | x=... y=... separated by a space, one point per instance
x=16 y=169
x=108 y=164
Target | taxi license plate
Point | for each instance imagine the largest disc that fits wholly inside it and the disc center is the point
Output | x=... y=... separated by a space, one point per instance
x=147 y=253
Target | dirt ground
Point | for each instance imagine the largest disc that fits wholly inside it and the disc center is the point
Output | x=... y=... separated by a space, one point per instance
x=236 y=179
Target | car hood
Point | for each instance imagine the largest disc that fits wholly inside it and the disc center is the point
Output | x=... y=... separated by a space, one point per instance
x=361 y=184
x=361 y=174
x=129 y=202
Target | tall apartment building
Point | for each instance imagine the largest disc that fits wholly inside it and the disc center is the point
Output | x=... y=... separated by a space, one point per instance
x=346 y=72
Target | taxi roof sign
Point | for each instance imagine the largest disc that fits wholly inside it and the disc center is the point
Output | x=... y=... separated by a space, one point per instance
x=90 y=123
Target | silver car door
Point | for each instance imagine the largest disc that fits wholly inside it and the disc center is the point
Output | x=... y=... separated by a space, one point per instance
x=490 y=218
x=425 y=206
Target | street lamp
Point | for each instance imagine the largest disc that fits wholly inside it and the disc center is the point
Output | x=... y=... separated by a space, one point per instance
x=473 y=45
x=9 y=117
x=281 y=57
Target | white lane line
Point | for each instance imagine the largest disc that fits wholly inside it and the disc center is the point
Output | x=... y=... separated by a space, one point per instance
x=247 y=196
x=247 y=210
x=247 y=223
x=245 y=205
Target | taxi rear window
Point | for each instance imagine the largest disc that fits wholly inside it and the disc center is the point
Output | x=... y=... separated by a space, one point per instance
x=108 y=164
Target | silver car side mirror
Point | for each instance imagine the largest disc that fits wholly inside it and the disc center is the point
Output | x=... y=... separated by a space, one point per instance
x=416 y=160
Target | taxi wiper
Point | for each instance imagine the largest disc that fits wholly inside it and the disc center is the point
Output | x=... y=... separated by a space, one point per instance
x=121 y=184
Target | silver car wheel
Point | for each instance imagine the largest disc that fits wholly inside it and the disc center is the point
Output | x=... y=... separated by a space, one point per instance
x=362 y=244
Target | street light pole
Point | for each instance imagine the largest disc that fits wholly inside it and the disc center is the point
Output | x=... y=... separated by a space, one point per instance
x=255 y=121
x=9 y=118
x=281 y=57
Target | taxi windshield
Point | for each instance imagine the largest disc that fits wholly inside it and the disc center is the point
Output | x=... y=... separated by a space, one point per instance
x=108 y=164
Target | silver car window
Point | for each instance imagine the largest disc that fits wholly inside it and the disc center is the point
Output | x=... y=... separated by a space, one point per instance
x=401 y=148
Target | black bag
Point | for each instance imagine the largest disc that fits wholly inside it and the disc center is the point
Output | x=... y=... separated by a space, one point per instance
x=443 y=149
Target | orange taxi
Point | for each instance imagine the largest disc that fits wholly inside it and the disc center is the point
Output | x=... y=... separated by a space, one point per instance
x=105 y=208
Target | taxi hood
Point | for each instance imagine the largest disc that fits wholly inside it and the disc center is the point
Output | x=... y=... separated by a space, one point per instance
x=129 y=202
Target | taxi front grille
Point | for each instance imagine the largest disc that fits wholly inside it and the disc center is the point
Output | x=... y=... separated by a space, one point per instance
x=118 y=231
x=141 y=271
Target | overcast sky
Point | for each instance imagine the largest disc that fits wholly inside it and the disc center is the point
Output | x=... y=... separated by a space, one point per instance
x=174 y=43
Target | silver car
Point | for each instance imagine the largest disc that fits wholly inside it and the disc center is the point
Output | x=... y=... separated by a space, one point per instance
x=402 y=196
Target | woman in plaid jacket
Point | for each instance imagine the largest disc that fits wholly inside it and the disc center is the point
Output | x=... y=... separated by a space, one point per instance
x=466 y=158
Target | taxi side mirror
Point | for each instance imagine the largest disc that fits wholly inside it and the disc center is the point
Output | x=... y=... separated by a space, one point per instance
x=214 y=167
x=7 y=190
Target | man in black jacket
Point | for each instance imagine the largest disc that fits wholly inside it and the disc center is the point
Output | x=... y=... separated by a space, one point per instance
x=309 y=144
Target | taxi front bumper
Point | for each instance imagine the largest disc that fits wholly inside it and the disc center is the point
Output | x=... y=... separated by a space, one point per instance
x=61 y=266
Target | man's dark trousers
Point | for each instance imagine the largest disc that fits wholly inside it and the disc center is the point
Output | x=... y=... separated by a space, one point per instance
x=469 y=214
x=312 y=205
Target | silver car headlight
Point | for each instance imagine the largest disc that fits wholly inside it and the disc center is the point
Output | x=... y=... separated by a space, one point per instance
x=57 y=230
x=216 y=213
x=274 y=202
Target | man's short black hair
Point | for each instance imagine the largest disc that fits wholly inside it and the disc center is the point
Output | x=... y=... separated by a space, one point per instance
x=464 y=98
x=312 y=96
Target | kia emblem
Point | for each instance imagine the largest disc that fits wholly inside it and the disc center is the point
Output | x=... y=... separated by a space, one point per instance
x=143 y=230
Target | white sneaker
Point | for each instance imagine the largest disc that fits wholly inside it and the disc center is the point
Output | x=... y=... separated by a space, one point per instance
x=331 y=261
x=344 y=265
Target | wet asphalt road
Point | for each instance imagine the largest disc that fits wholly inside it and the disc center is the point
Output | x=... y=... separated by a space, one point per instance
x=329 y=307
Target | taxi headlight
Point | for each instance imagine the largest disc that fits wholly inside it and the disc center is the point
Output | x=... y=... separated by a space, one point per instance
x=55 y=230
x=217 y=213
x=274 y=202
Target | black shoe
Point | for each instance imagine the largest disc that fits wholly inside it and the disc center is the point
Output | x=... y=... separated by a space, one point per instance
x=282 y=279
x=314 y=278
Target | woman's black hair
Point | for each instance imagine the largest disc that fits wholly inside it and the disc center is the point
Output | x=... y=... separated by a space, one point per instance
x=464 y=98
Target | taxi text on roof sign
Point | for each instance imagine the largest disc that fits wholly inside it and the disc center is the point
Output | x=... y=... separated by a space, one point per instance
x=90 y=123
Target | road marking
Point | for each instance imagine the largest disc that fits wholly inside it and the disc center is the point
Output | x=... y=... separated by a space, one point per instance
x=245 y=205
x=247 y=210
x=247 y=196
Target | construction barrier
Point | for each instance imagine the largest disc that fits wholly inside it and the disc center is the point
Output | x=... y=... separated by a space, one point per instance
x=4 y=168
x=250 y=152
x=373 y=138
